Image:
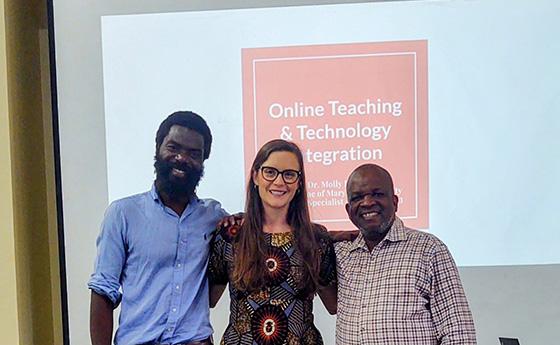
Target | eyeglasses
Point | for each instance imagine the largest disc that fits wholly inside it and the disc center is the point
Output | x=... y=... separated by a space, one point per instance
x=289 y=176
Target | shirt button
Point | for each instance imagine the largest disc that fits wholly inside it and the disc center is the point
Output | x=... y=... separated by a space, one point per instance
x=174 y=310
x=177 y=287
x=170 y=329
x=178 y=265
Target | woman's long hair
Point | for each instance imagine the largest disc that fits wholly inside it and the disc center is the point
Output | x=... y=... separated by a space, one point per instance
x=249 y=271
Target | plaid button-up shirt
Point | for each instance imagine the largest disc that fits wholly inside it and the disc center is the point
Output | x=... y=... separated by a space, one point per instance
x=406 y=291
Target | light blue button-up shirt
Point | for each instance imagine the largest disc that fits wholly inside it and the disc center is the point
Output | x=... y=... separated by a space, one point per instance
x=156 y=262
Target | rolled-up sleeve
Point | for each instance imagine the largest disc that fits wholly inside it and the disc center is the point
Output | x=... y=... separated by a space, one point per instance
x=111 y=255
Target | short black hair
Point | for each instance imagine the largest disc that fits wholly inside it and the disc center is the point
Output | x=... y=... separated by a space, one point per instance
x=189 y=120
x=370 y=166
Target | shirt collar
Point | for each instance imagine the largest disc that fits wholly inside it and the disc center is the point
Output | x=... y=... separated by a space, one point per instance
x=153 y=193
x=396 y=233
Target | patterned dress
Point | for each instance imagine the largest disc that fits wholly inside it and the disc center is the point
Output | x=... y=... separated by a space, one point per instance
x=276 y=314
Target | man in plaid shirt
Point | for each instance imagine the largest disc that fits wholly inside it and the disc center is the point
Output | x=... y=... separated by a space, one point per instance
x=396 y=286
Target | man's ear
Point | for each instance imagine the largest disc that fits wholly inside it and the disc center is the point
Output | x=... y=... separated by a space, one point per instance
x=347 y=206
x=396 y=202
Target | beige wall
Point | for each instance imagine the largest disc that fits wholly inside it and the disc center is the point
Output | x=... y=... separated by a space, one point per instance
x=28 y=247
x=8 y=305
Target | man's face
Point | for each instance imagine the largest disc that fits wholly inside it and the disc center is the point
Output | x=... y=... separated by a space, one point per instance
x=371 y=201
x=179 y=162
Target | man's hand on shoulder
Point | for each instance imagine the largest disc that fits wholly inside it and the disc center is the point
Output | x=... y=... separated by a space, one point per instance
x=234 y=219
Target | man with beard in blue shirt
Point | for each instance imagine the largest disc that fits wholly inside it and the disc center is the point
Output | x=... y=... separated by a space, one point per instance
x=152 y=251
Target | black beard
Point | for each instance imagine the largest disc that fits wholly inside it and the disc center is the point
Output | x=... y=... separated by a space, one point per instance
x=176 y=188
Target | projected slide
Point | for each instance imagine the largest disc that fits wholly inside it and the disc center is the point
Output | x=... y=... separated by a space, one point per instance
x=345 y=105
x=463 y=118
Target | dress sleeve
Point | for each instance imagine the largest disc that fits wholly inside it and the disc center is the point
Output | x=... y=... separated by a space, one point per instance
x=327 y=264
x=219 y=249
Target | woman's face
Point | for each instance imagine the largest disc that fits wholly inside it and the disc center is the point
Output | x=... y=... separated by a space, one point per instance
x=278 y=180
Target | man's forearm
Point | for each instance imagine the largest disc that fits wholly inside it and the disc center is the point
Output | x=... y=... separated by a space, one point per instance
x=101 y=320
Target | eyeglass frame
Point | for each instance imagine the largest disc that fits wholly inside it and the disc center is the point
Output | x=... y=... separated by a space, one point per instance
x=278 y=172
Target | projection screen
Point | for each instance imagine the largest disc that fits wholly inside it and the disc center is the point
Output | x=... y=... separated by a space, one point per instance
x=458 y=99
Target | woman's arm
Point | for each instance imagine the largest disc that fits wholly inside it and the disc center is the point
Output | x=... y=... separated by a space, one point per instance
x=216 y=291
x=218 y=276
x=328 y=297
x=327 y=289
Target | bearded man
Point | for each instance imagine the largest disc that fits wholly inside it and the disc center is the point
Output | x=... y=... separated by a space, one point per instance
x=152 y=251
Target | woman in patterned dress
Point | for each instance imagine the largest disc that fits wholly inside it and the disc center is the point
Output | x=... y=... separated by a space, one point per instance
x=277 y=260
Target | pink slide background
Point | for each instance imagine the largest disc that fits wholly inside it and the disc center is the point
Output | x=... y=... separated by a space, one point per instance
x=345 y=105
